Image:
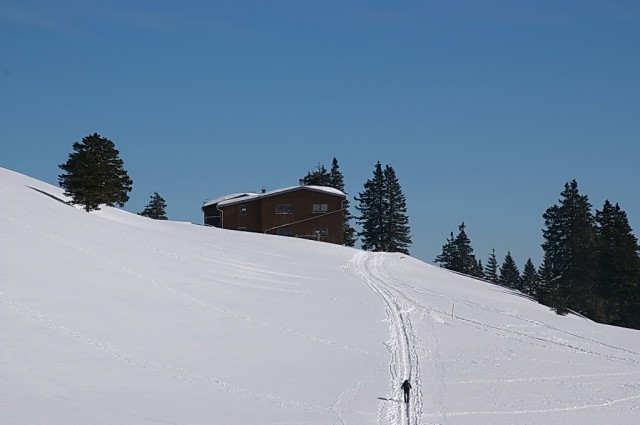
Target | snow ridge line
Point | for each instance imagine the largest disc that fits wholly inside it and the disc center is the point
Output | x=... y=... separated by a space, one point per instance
x=177 y=373
x=403 y=345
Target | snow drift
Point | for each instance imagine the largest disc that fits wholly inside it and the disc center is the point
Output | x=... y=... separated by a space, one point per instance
x=112 y=318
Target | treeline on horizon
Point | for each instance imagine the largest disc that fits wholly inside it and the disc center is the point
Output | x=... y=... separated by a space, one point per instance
x=591 y=262
x=94 y=175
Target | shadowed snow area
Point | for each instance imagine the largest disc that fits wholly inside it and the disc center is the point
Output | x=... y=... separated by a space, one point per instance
x=113 y=318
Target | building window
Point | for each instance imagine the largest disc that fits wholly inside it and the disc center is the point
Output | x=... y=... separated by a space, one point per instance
x=283 y=209
x=287 y=231
x=242 y=210
x=320 y=208
x=321 y=231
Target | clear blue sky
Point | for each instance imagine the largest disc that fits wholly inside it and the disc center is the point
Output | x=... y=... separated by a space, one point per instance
x=485 y=109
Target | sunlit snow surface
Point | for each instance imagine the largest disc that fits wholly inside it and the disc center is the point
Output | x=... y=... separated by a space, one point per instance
x=112 y=318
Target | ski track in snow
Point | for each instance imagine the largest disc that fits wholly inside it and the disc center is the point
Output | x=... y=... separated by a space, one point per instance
x=573 y=342
x=245 y=279
x=195 y=300
x=404 y=345
x=173 y=372
x=345 y=399
x=605 y=403
x=580 y=344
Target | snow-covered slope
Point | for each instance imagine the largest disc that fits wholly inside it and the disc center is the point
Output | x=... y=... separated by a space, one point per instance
x=112 y=318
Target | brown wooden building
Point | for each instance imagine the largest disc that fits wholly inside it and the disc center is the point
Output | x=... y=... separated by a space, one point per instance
x=312 y=212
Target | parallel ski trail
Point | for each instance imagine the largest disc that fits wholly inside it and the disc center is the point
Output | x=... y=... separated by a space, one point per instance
x=403 y=344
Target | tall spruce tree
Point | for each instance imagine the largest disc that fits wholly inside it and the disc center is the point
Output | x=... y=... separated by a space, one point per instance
x=467 y=260
x=618 y=286
x=570 y=245
x=335 y=175
x=530 y=281
x=448 y=258
x=383 y=217
x=334 y=179
x=509 y=273
x=457 y=254
x=95 y=174
x=397 y=237
x=156 y=208
x=372 y=208
x=479 y=272
x=491 y=269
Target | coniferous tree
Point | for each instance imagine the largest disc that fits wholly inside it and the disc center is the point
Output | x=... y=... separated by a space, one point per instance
x=548 y=292
x=479 y=271
x=156 y=208
x=530 y=281
x=372 y=208
x=95 y=174
x=618 y=267
x=570 y=244
x=397 y=236
x=491 y=269
x=336 y=178
x=464 y=251
x=319 y=177
x=509 y=273
x=457 y=254
x=448 y=258
x=383 y=217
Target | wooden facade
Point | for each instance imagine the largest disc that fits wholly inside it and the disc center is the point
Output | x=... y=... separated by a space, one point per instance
x=311 y=212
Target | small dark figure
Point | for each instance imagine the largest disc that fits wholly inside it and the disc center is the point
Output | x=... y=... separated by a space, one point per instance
x=406 y=386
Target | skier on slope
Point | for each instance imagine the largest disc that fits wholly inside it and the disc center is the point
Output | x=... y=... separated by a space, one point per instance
x=406 y=386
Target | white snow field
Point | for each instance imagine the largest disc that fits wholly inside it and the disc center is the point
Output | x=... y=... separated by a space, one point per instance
x=112 y=318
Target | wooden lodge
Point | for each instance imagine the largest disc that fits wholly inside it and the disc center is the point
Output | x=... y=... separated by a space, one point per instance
x=311 y=212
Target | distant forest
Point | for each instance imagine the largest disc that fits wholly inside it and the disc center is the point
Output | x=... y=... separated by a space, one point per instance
x=591 y=263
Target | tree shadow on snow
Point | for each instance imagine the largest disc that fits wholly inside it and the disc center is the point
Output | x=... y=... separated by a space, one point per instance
x=49 y=195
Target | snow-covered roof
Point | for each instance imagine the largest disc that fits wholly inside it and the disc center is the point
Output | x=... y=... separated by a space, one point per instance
x=237 y=198
x=326 y=189
x=240 y=199
x=227 y=197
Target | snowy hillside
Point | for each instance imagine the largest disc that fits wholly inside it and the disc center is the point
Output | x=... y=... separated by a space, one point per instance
x=111 y=318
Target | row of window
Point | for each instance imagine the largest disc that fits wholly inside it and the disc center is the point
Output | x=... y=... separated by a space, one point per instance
x=287 y=209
